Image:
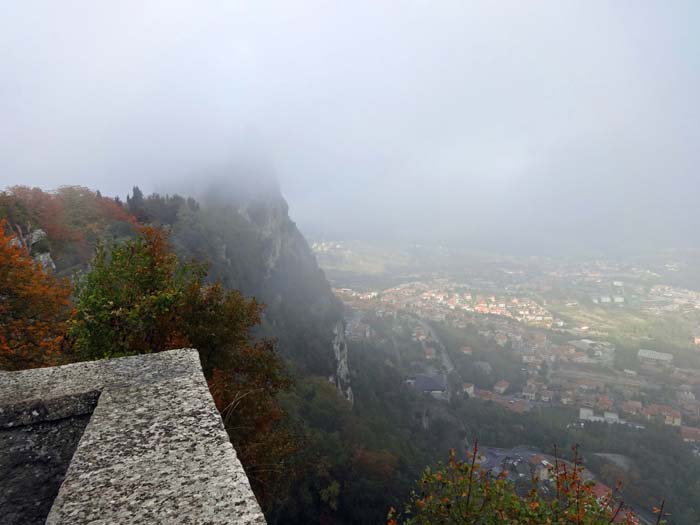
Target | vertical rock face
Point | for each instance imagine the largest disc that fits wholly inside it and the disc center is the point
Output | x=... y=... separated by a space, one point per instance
x=293 y=282
x=46 y=261
x=32 y=242
x=255 y=247
x=342 y=372
x=294 y=287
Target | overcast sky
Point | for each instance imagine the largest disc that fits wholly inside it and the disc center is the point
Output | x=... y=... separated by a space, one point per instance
x=505 y=123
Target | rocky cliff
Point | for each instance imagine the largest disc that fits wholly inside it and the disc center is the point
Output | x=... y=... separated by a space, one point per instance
x=244 y=233
x=254 y=246
x=342 y=372
x=33 y=241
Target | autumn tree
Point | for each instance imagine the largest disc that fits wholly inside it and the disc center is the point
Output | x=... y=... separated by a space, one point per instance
x=34 y=307
x=42 y=210
x=462 y=492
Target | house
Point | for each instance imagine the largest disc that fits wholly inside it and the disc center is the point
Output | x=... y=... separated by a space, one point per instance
x=663 y=413
x=468 y=388
x=540 y=466
x=430 y=352
x=485 y=395
x=690 y=434
x=546 y=396
x=529 y=392
x=605 y=403
x=633 y=408
x=501 y=386
x=691 y=409
x=654 y=359
x=434 y=385
x=685 y=393
x=587 y=400
x=467 y=350
x=601 y=492
x=568 y=397
x=588 y=385
x=587 y=414
x=611 y=417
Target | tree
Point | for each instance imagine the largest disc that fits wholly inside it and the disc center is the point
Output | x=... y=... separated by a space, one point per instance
x=73 y=217
x=34 y=307
x=135 y=203
x=131 y=302
x=463 y=492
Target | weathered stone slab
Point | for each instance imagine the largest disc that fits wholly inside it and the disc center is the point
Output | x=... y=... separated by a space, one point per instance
x=154 y=450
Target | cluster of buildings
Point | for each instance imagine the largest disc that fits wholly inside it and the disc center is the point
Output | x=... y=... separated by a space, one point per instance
x=608 y=299
x=663 y=299
x=652 y=360
x=556 y=372
x=604 y=397
x=510 y=403
x=437 y=299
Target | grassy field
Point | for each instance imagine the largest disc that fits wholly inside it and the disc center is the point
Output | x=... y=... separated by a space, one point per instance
x=632 y=329
x=632 y=326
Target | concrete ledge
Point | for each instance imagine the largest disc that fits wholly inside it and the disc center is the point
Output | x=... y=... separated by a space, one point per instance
x=154 y=450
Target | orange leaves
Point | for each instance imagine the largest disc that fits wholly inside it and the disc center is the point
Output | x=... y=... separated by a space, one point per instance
x=219 y=386
x=66 y=215
x=34 y=307
x=111 y=210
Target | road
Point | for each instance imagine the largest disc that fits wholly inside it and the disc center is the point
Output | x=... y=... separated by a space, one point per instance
x=446 y=361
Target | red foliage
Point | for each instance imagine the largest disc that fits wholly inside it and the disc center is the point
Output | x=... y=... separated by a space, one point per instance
x=111 y=210
x=47 y=210
x=34 y=307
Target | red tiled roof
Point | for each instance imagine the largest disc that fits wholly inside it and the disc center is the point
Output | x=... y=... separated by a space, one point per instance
x=690 y=433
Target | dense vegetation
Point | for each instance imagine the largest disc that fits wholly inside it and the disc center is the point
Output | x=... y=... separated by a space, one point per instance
x=463 y=492
x=33 y=308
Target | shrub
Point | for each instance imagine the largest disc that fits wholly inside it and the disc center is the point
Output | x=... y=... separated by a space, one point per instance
x=462 y=492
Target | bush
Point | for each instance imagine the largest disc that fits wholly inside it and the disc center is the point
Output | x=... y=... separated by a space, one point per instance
x=462 y=492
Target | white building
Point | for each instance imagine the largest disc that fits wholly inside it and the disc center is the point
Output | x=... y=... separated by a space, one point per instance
x=651 y=357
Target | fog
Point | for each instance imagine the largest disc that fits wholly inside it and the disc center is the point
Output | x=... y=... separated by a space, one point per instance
x=528 y=126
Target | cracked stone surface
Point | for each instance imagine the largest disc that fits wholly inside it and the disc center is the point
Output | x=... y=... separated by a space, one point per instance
x=154 y=449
